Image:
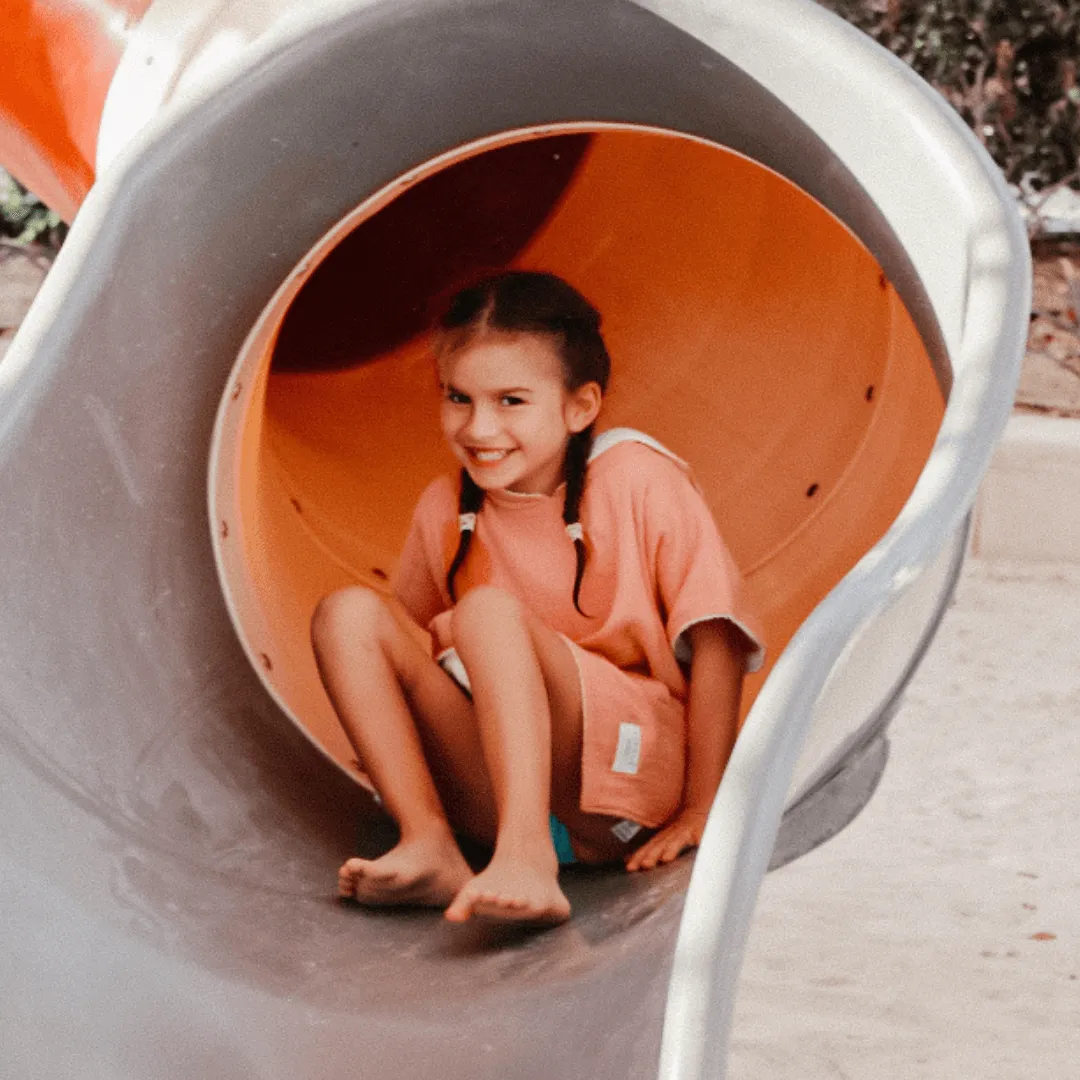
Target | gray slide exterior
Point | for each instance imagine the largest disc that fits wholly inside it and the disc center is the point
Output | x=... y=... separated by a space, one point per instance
x=166 y=836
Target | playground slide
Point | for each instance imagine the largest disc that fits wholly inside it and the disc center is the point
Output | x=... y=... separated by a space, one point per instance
x=814 y=289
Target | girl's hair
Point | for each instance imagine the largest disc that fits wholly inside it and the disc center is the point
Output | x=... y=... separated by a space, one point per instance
x=531 y=302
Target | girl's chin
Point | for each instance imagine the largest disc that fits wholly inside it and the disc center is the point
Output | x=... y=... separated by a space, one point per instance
x=495 y=474
x=496 y=480
x=497 y=477
x=491 y=483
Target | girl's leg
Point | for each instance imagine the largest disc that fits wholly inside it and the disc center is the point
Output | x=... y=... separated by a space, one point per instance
x=527 y=700
x=371 y=666
x=391 y=697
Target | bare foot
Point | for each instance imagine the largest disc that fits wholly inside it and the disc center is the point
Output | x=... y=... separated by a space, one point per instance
x=428 y=870
x=513 y=890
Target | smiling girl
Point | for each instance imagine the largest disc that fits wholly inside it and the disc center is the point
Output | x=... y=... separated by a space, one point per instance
x=588 y=634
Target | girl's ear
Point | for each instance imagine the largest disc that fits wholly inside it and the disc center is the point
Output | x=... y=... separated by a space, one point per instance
x=583 y=407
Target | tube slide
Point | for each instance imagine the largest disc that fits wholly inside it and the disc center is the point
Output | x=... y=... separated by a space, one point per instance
x=814 y=288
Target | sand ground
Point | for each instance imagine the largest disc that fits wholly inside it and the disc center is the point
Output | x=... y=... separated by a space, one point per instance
x=938 y=936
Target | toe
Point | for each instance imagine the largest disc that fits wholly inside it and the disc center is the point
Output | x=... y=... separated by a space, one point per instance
x=460 y=908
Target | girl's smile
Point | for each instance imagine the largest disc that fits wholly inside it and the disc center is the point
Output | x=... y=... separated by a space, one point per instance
x=487 y=457
x=506 y=413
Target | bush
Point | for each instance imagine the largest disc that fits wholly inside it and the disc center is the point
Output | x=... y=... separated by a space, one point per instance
x=1009 y=67
x=25 y=219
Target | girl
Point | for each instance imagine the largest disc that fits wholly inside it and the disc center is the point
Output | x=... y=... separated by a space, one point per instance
x=589 y=611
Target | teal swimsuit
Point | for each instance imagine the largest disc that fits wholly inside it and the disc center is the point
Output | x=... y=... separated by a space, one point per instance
x=560 y=837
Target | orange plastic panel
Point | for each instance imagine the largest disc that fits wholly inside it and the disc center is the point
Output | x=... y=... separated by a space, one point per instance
x=59 y=59
x=749 y=330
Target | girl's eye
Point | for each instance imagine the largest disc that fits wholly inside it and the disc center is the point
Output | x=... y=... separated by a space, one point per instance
x=511 y=399
x=457 y=399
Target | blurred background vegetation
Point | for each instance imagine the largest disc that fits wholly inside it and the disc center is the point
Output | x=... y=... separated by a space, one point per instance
x=25 y=219
x=1009 y=68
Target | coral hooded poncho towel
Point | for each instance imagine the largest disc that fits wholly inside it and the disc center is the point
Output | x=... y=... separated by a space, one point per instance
x=657 y=565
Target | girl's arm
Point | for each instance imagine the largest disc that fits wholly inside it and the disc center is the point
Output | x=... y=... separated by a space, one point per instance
x=716 y=670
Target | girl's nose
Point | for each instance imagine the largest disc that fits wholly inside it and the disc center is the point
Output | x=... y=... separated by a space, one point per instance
x=482 y=423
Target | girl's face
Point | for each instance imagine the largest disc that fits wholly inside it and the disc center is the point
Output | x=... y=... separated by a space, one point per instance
x=507 y=414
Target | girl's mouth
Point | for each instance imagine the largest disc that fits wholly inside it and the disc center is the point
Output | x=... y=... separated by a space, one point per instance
x=487 y=457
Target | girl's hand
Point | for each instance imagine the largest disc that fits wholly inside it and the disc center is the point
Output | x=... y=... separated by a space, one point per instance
x=670 y=842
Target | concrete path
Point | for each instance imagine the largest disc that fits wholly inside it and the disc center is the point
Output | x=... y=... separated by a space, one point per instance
x=939 y=935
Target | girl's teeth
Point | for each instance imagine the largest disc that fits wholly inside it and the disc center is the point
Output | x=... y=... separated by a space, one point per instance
x=489 y=455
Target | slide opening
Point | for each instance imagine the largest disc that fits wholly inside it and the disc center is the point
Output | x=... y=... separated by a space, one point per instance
x=750 y=331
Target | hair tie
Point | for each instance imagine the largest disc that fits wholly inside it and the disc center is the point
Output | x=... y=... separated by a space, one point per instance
x=575 y=531
x=466 y=523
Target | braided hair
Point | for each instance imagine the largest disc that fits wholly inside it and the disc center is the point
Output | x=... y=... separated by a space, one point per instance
x=532 y=302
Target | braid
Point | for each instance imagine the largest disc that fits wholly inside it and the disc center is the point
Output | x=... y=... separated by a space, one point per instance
x=577 y=460
x=537 y=303
x=470 y=499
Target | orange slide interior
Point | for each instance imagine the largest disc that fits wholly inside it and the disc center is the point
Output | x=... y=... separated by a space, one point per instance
x=750 y=332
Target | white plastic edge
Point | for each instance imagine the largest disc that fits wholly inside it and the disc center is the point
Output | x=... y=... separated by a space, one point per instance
x=786 y=45
x=184 y=50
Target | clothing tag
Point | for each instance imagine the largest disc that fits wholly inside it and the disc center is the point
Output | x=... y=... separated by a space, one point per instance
x=628 y=752
x=625 y=830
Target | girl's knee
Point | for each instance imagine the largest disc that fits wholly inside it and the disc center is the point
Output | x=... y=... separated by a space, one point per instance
x=479 y=606
x=354 y=611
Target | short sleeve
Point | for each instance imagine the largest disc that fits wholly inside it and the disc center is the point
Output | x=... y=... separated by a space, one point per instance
x=415 y=583
x=696 y=576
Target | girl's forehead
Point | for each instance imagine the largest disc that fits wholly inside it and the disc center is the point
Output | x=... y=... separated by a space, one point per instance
x=503 y=360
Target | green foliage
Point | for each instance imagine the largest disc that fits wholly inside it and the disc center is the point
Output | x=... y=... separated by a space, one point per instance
x=25 y=218
x=1009 y=67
